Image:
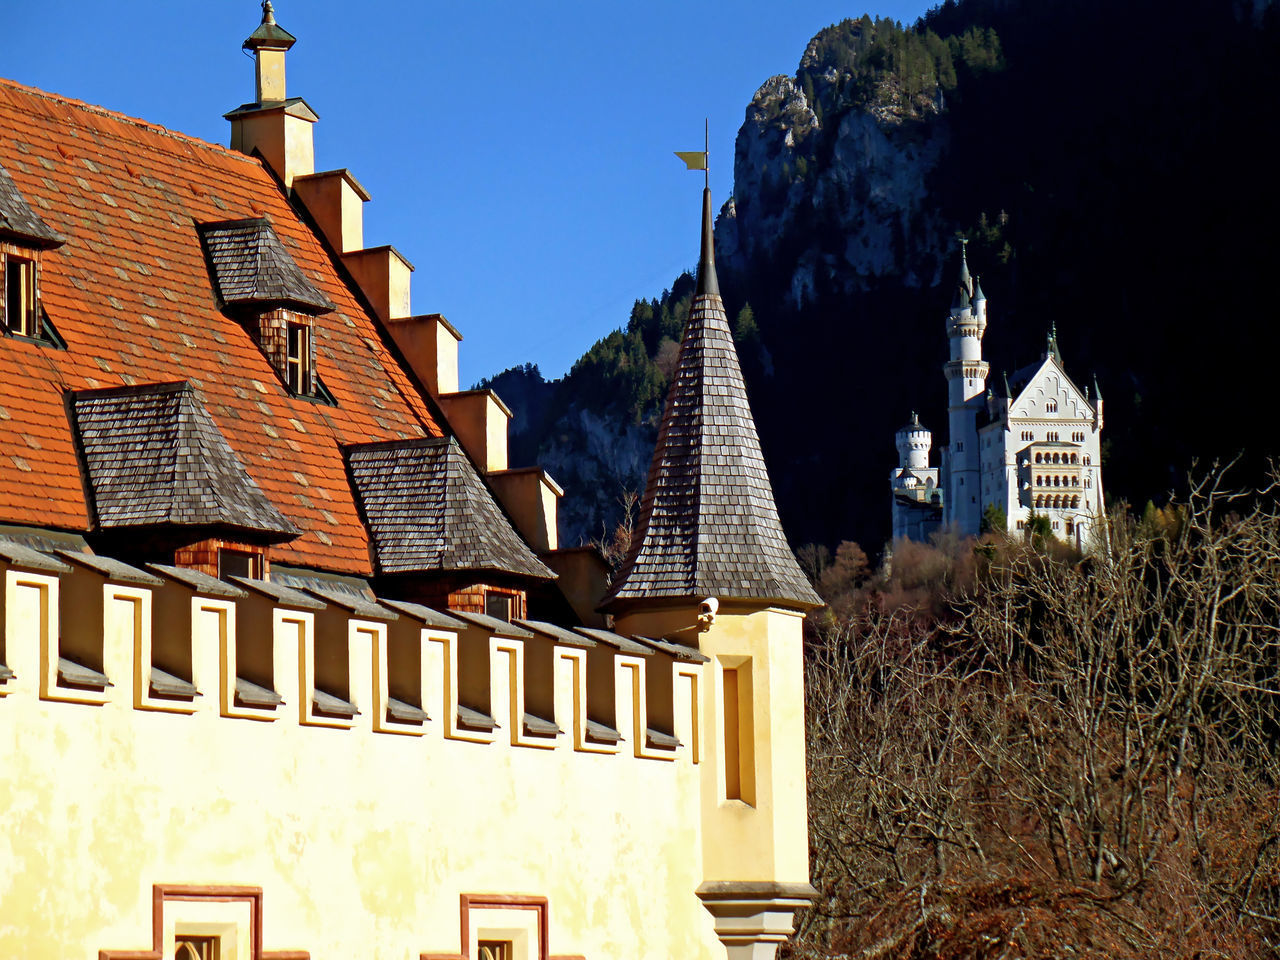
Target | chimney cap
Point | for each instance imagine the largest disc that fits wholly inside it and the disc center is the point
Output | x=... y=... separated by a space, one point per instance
x=269 y=35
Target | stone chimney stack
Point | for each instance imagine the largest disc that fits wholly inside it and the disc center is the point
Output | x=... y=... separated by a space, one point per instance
x=275 y=127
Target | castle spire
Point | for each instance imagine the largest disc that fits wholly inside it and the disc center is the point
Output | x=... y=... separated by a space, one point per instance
x=1051 y=345
x=708 y=522
x=708 y=284
x=964 y=283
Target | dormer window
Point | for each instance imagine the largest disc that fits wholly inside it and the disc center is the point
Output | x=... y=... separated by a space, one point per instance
x=259 y=285
x=20 y=316
x=298 y=372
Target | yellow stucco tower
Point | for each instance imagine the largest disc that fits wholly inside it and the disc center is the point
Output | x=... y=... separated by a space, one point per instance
x=710 y=566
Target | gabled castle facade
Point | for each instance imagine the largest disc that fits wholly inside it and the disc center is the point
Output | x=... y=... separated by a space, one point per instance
x=1031 y=447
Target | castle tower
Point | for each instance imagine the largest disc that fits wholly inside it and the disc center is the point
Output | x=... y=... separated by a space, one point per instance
x=710 y=567
x=914 y=443
x=966 y=374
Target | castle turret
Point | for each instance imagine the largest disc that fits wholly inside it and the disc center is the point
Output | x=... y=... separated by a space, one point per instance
x=710 y=567
x=966 y=374
x=914 y=443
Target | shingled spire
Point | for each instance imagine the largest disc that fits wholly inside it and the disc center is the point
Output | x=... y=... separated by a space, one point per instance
x=708 y=523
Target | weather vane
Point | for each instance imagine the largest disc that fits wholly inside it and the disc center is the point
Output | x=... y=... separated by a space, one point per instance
x=699 y=159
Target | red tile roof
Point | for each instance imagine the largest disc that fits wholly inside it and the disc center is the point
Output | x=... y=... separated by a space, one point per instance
x=130 y=294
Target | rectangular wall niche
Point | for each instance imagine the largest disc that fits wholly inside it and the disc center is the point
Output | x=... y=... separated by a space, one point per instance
x=739 y=729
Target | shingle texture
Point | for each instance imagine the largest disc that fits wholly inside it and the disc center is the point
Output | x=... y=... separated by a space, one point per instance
x=130 y=293
x=708 y=524
x=250 y=266
x=18 y=221
x=154 y=456
x=427 y=510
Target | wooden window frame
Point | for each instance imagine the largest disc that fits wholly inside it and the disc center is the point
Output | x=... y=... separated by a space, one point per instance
x=299 y=375
x=27 y=270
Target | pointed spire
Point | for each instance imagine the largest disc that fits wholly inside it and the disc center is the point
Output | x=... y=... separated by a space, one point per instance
x=915 y=419
x=708 y=284
x=708 y=522
x=964 y=283
x=1097 y=394
x=977 y=290
x=1007 y=392
x=1051 y=346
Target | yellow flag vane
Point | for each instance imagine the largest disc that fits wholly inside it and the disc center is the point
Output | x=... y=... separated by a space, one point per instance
x=697 y=159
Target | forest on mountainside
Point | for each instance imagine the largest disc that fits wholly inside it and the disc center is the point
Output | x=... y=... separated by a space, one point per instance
x=1109 y=162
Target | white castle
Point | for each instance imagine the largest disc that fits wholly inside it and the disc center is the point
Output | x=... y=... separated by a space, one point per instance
x=1035 y=450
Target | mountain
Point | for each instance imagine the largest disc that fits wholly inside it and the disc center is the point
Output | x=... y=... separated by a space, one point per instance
x=1111 y=163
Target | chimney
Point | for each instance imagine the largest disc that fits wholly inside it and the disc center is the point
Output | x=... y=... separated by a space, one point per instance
x=277 y=128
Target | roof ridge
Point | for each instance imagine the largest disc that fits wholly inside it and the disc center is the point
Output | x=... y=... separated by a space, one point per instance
x=116 y=115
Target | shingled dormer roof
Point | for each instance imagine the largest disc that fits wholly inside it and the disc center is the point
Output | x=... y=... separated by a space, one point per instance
x=708 y=523
x=155 y=457
x=130 y=294
x=427 y=510
x=250 y=266
x=18 y=221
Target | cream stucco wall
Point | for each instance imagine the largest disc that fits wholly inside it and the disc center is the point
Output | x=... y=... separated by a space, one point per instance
x=362 y=841
x=765 y=839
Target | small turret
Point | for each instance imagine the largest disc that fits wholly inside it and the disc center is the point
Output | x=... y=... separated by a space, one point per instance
x=979 y=305
x=269 y=43
x=1097 y=404
x=914 y=443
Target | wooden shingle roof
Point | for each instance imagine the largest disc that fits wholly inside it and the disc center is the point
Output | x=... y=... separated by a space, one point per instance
x=130 y=293
x=250 y=266
x=428 y=511
x=18 y=221
x=154 y=456
x=708 y=524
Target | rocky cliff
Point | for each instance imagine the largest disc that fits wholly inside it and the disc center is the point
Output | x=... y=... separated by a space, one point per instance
x=1108 y=162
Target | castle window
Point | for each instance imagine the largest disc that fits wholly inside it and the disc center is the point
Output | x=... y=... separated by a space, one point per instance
x=1086 y=459
x=959 y=446
x=198 y=948
x=299 y=374
x=1087 y=483
x=498 y=605
x=1051 y=406
x=20 y=315
x=1039 y=458
x=239 y=563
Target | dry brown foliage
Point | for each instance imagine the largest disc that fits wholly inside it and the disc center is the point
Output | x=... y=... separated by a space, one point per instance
x=1079 y=759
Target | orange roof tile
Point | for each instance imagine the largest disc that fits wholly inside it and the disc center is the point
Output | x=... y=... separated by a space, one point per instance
x=130 y=294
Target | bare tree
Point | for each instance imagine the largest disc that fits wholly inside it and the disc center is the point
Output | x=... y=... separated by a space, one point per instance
x=1080 y=759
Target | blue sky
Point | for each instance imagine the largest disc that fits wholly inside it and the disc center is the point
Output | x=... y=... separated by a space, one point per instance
x=520 y=155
